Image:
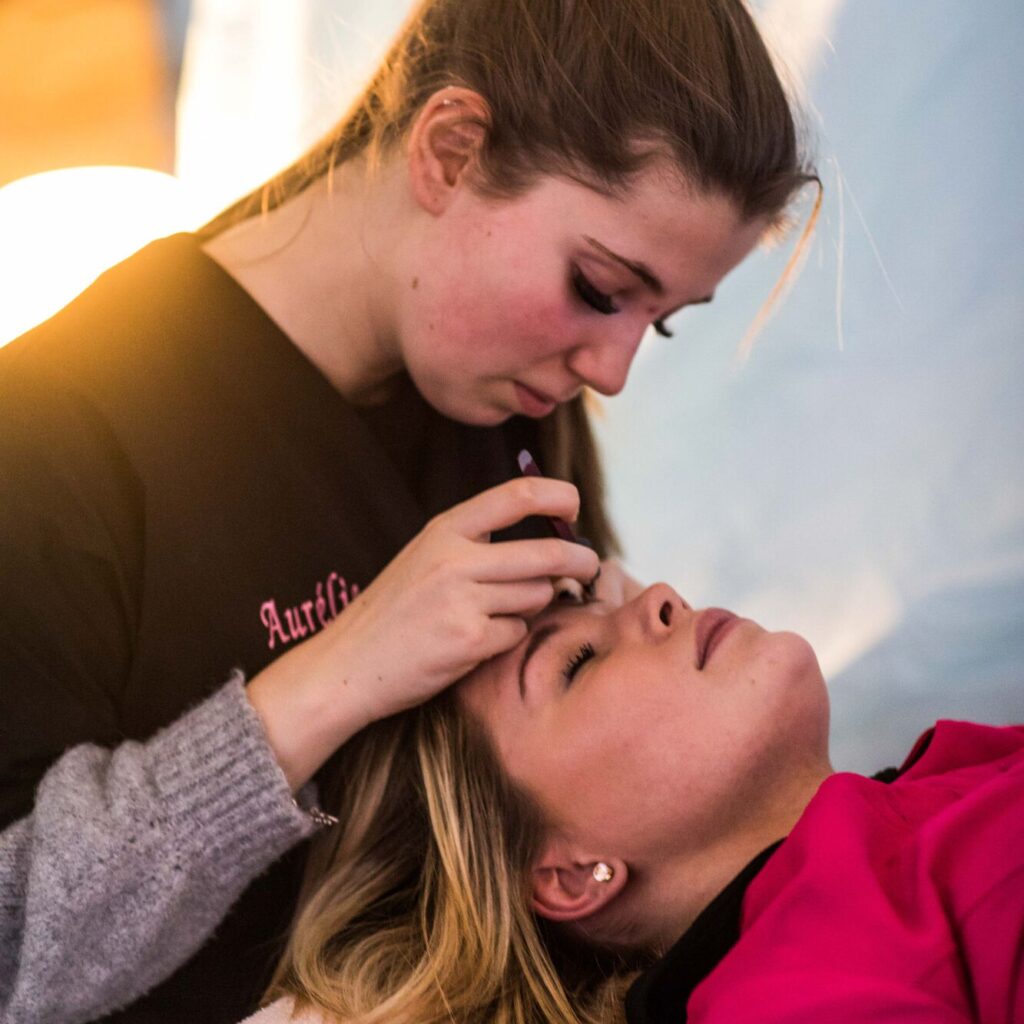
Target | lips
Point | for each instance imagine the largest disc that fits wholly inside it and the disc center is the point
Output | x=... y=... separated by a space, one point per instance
x=712 y=626
x=534 y=403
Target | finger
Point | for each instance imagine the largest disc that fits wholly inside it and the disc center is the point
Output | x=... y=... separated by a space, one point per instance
x=503 y=633
x=511 y=502
x=524 y=598
x=531 y=559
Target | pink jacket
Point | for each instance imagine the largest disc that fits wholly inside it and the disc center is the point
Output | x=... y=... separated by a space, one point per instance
x=898 y=903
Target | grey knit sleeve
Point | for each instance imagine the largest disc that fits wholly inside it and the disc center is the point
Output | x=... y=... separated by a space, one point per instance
x=131 y=857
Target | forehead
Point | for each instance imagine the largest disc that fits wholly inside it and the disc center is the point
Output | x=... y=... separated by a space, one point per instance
x=689 y=238
x=657 y=193
x=496 y=681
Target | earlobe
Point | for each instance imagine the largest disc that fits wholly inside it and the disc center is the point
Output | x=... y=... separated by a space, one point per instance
x=568 y=886
x=444 y=143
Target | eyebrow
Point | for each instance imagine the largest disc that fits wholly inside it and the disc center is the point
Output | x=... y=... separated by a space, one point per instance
x=532 y=645
x=641 y=270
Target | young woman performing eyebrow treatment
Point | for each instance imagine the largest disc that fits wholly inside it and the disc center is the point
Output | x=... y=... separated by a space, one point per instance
x=647 y=787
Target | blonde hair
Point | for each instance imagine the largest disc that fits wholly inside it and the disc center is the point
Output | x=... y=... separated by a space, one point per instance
x=416 y=907
x=570 y=86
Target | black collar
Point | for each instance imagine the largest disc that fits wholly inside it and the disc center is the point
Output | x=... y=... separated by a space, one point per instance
x=661 y=993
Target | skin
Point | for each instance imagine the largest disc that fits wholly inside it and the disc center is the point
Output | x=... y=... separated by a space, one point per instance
x=412 y=268
x=674 y=775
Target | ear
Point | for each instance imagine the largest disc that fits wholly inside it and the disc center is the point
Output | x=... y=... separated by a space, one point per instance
x=444 y=143
x=565 y=887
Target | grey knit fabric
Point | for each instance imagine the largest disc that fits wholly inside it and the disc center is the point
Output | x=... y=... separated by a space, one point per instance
x=131 y=857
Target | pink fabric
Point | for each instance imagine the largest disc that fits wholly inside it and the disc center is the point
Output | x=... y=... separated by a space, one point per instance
x=891 y=903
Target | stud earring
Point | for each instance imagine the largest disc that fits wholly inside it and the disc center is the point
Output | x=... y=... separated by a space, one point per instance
x=603 y=872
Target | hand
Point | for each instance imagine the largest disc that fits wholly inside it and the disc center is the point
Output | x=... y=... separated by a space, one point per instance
x=449 y=600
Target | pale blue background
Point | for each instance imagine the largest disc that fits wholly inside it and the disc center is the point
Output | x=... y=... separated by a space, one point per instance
x=871 y=497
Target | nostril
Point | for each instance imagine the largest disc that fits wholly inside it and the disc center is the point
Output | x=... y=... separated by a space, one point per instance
x=665 y=613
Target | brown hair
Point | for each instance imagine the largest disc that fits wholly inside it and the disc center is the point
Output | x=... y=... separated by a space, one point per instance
x=572 y=87
x=417 y=910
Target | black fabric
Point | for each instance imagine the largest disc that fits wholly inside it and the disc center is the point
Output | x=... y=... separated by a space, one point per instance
x=183 y=493
x=660 y=994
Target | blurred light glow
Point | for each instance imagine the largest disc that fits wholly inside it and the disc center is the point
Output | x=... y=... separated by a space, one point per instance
x=842 y=622
x=242 y=103
x=798 y=33
x=59 y=230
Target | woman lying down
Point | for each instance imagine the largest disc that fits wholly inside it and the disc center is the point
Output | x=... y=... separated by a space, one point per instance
x=632 y=815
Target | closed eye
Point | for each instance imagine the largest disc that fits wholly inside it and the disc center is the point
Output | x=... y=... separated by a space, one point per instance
x=597 y=299
x=594 y=298
x=577 y=661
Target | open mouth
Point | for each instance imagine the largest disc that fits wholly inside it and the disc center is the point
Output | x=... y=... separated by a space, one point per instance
x=712 y=626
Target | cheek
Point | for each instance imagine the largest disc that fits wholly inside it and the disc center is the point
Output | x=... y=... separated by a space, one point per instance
x=500 y=302
x=509 y=331
x=609 y=774
x=540 y=328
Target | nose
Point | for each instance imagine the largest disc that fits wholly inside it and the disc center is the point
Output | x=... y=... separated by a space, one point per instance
x=658 y=611
x=604 y=364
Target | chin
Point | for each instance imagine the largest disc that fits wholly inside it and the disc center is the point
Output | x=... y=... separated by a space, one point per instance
x=473 y=416
x=797 y=661
x=801 y=695
x=486 y=417
x=797 y=650
x=461 y=407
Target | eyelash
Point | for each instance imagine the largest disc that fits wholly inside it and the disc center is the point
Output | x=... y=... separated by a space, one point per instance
x=577 y=661
x=603 y=303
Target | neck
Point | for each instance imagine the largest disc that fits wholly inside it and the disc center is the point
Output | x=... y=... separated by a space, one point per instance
x=680 y=889
x=318 y=266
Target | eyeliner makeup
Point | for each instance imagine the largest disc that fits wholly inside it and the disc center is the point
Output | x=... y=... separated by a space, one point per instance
x=529 y=467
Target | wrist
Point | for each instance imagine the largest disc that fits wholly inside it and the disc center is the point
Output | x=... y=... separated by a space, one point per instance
x=307 y=708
